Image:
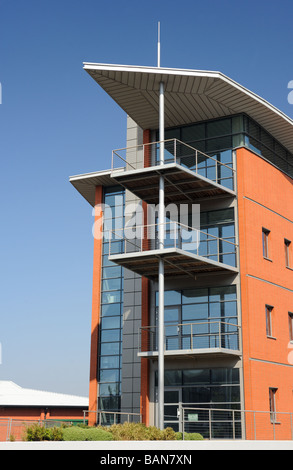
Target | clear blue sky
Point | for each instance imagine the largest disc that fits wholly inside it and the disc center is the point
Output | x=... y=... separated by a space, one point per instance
x=55 y=122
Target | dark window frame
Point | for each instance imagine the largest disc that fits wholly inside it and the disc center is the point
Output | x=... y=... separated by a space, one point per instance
x=273 y=404
x=265 y=243
x=269 y=321
x=288 y=247
x=290 y=321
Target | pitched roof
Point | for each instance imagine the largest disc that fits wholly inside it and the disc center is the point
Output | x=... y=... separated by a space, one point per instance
x=12 y=394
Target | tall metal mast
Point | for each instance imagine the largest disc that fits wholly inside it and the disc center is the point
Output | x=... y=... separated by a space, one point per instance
x=161 y=366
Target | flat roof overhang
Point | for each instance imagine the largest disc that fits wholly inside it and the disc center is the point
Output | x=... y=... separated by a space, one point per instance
x=86 y=184
x=178 y=263
x=192 y=353
x=190 y=96
x=181 y=184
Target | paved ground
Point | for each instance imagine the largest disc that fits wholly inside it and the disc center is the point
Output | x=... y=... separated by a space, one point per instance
x=140 y=448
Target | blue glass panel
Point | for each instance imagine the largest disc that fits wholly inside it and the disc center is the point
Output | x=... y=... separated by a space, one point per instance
x=222 y=293
x=228 y=231
x=108 y=349
x=191 y=296
x=172 y=297
x=109 y=323
x=110 y=362
x=195 y=312
x=114 y=199
x=108 y=336
x=109 y=389
x=171 y=315
x=111 y=309
x=110 y=272
x=107 y=262
x=111 y=284
x=111 y=297
x=109 y=375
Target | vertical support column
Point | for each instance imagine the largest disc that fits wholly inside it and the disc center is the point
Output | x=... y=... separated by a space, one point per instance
x=161 y=365
x=145 y=305
x=96 y=307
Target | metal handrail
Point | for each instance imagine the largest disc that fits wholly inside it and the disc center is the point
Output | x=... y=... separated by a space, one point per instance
x=120 y=414
x=175 y=141
x=169 y=223
x=192 y=334
x=253 y=426
x=178 y=227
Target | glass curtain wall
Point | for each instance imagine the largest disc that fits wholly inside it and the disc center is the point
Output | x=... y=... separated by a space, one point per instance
x=201 y=318
x=217 y=138
x=219 y=223
x=199 y=390
x=110 y=335
x=260 y=141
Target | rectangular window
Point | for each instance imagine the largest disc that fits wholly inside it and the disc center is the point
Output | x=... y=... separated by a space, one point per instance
x=269 y=326
x=265 y=242
x=201 y=318
x=290 y=316
x=273 y=410
x=287 y=245
x=110 y=330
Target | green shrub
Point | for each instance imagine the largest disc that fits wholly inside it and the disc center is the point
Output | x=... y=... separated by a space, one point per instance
x=140 y=432
x=76 y=433
x=37 y=432
x=155 y=434
x=189 y=436
x=193 y=436
x=128 y=432
x=169 y=434
x=117 y=432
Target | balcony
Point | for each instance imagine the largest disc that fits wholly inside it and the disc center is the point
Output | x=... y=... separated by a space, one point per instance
x=189 y=174
x=186 y=252
x=191 y=339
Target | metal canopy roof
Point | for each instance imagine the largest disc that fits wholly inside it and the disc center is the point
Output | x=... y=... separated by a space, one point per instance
x=190 y=96
x=193 y=353
x=86 y=184
x=181 y=184
x=178 y=262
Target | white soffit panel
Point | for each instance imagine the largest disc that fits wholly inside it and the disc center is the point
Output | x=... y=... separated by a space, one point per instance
x=190 y=96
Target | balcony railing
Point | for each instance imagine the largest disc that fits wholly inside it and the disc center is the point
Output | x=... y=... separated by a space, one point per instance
x=144 y=238
x=175 y=151
x=207 y=336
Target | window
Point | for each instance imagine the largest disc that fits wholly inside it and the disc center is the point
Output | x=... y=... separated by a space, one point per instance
x=201 y=318
x=290 y=317
x=272 y=395
x=110 y=331
x=287 y=245
x=265 y=242
x=269 y=310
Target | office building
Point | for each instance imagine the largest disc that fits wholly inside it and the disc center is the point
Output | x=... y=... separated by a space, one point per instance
x=201 y=144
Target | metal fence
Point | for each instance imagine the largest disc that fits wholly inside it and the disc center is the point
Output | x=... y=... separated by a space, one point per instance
x=236 y=424
x=107 y=418
x=212 y=424
x=12 y=429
